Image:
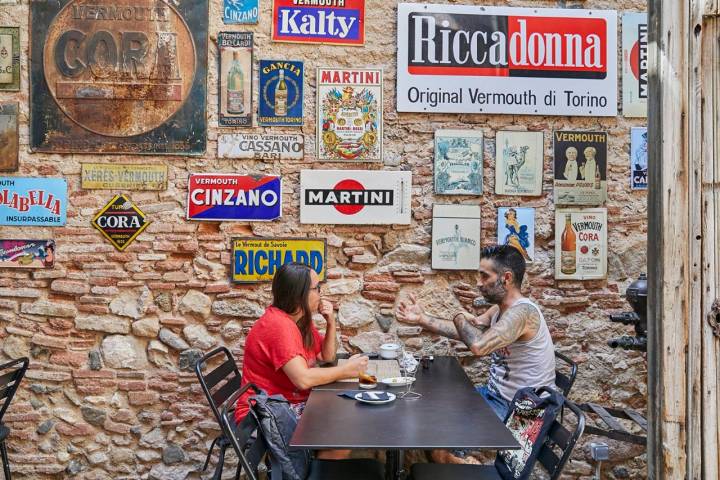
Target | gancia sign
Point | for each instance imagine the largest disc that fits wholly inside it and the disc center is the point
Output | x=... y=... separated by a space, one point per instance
x=108 y=76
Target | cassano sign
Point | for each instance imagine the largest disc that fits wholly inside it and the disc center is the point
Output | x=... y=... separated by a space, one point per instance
x=364 y=197
x=472 y=59
x=335 y=22
x=261 y=147
x=231 y=197
x=120 y=221
x=117 y=77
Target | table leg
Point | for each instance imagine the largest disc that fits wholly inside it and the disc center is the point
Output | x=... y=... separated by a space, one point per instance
x=394 y=465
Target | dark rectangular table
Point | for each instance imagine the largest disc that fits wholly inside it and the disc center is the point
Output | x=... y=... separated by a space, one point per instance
x=450 y=415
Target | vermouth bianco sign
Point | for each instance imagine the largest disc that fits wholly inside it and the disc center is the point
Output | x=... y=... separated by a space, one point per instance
x=529 y=60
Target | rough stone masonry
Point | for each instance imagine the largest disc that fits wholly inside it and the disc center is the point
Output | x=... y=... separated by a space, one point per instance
x=113 y=336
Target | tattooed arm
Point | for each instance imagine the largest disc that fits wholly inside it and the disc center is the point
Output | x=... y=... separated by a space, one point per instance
x=409 y=311
x=512 y=325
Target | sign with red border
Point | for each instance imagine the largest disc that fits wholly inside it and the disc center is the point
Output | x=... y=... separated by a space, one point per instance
x=333 y=25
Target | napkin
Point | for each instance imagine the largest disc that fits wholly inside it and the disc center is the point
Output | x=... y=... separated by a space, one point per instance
x=349 y=393
x=375 y=396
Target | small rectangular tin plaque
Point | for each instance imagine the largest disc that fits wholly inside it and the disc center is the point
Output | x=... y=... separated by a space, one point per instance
x=261 y=147
x=118 y=176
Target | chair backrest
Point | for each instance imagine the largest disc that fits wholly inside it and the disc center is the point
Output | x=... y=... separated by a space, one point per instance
x=11 y=374
x=561 y=439
x=221 y=383
x=565 y=377
x=245 y=438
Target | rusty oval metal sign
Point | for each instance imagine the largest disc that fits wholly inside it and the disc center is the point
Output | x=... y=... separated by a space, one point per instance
x=119 y=69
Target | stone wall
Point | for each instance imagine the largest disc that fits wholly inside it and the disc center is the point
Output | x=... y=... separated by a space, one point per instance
x=112 y=336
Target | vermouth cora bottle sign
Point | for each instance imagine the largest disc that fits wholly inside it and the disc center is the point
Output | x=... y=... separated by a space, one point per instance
x=530 y=60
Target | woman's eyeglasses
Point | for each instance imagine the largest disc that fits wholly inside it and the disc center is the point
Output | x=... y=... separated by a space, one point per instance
x=316 y=288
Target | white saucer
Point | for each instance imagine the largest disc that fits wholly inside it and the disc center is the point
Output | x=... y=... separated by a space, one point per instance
x=397 y=381
x=367 y=386
x=391 y=398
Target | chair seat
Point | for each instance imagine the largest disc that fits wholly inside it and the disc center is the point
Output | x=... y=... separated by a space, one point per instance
x=4 y=432
x=443 y=471
x=350 y=469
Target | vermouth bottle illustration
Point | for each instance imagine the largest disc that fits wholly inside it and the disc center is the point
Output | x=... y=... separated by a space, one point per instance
x=568 y=256
x=281 y=96
x=235 y=87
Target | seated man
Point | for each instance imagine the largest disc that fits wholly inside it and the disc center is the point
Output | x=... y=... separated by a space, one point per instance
x=513 y=331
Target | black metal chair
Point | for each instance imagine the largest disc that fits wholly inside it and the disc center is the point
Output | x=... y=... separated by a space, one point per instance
x=11 y=374
x=219 y=386
x=565 y=377
x=554 y=454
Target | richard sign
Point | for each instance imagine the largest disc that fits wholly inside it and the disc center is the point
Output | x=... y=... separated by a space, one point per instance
x=472 y=59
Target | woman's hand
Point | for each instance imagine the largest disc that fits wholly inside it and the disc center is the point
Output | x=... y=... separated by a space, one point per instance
x=355 y=365
x=327 y=310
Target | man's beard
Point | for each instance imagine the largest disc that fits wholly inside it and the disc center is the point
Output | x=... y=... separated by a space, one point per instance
x=495 y=293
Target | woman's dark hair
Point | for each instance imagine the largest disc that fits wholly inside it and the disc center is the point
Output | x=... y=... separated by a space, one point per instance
x=290 y=289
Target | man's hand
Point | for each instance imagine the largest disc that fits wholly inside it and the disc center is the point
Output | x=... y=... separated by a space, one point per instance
x=409 y=311
x=327 y=310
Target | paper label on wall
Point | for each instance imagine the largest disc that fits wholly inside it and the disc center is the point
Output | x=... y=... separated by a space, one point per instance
x=27 y=253
x=518 y=163
x=516 y=227
x=638 y=158
x=458 y=168
x=456 y=237
x=119 y=176
x=231 y=197
x=280 y=101
x=580 y=167
x=257 y=259
x=236 y=74
x=33 y=201
x=635 y=64
x=261 y=147
x=581 y=244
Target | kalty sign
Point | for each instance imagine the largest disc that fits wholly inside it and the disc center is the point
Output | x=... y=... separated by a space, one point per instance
x=120 y=221
x=335 y=22
x=353 y=197
x=477 y=59
x=127 y=76
x=261 y=147
x=103 y=176
x=231 y=197
x=27 y=253
x=257 y=259
x=33 y=201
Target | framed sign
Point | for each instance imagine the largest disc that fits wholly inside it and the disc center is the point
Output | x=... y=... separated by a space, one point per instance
x=350 y=115
x=638 y=158
x=27 y=253
x=280 y=101
x=236 y=66
x=261 y=147
x=580 y=167
x=635 y=64
x=240 y=11
x=124 y=76
x=331 y=22
x=120 y=221
x=480 y=59
x=516 y=227
x=518 y=163
x=230 y=197
x=351 y=197
x=123 y=176
x=458 y=162
x=9 y=137
x=257 y=259
x=9 y=59
x=581 y=244
x=33 y=201
x=456 y=237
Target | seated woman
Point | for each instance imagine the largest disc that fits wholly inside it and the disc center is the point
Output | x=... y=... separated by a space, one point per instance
x=283 y=347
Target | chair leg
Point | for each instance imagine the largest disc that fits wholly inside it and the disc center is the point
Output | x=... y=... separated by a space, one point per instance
x=5 y=461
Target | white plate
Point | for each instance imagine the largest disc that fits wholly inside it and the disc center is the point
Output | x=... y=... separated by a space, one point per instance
x=397 y=381
x=391 y=398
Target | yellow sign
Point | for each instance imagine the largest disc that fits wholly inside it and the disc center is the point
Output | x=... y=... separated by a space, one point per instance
x=257 y=260
x=104 y=176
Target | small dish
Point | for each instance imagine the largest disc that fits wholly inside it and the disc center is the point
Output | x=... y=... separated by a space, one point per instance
x=391 y=398
x=367 y=386
x=397 y=381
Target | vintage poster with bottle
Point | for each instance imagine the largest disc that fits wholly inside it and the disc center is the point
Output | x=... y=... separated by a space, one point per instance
x=9 y=137
x=518 y=163
x=635 y=64
x=9 y=58
x=458 y=162
x=581 y=244
x=350 y=115
x=280 y=101
x=456 y=237
x=240 y=12
x=516 y=227
x=638 y=158
x=580 y=167
x=236 y=66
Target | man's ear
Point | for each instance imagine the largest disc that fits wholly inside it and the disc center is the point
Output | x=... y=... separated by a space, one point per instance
x=508 y=278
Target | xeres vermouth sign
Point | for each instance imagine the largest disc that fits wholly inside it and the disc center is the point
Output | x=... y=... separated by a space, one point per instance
x=529 y=60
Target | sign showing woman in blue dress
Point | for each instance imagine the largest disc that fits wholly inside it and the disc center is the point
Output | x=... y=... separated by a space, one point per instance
x=516 y=227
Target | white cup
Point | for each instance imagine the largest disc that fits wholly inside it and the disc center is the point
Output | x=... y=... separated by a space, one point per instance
x=389 y=350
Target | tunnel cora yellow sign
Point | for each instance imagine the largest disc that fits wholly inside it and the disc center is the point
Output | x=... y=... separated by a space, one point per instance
x=257 y=260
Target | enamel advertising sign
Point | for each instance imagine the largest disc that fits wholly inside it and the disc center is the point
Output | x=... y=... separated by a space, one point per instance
x=257 y=259
x=9 y=58
x=122 y=76
x=635 y=64
x=118 y=176
x=240 y=11
x=261 y=147
x=280 y=101
x=236 y=73
x=33 y=201
x=120 y=221
x=581 y=244
x=478 y=59
x=222 y=197
x=355 y=197
x=27 y=253
x=334 y=22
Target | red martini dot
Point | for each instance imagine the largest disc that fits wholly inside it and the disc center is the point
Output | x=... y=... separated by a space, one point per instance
x=349 y=209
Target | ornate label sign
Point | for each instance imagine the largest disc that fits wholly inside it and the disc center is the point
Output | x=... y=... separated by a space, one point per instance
x=33 y=201
x=335 y=22
x=456 y=237
x=257 y=259
x=261 y=147
x=27 y=253
x=231 y=197
x=458 y=162
x=364 y=197
x=236 y=67
x=120 y=221
x=118 y=176
x=240 y=11
x=127 y=76
x=280 y=102
x=9 y=58
x=9 y=137
x=350 y=115
x=581 y=244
